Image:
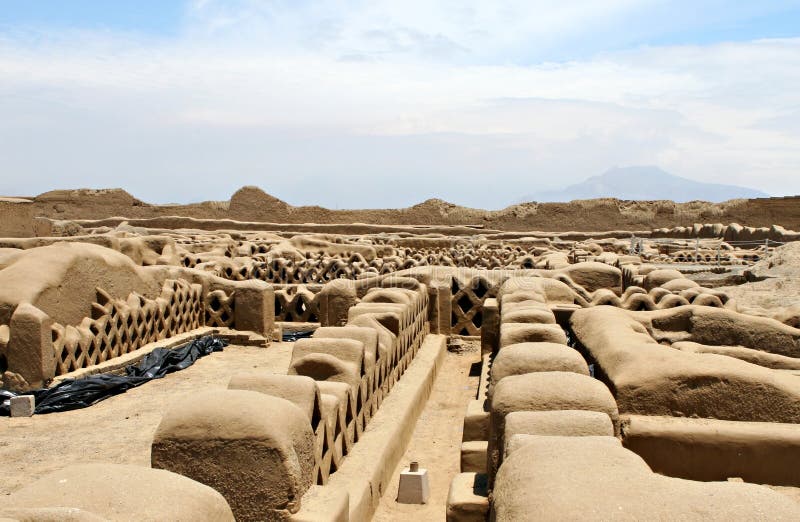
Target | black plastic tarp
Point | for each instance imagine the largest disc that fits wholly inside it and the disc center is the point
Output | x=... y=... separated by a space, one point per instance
x=290 y=337
x=73 y=394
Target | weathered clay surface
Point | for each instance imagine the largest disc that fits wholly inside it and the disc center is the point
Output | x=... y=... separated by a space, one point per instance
x=673 y=329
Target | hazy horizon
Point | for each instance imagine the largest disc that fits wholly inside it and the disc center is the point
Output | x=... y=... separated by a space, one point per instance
x=382 y=104
x=655 y=190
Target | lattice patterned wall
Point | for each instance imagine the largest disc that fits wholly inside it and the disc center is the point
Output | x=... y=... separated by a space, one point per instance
x=219 y=309
x=636 y=298
x=469 y=293
x=322 y=268
x=364 y=399
x=297 y=303
x=120 y=326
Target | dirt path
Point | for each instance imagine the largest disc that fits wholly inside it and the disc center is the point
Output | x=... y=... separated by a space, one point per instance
x=436 y=442
x=119 y=429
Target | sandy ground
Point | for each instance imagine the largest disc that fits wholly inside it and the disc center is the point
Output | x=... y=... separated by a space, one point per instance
x=770 y=294
x=436 y=442
x=119 y=429
x=781 y=289
x=791 y=492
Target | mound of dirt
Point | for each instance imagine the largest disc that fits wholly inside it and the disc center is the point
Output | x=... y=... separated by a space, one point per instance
x=775 y=291
x=254 y=204
x=784 y=261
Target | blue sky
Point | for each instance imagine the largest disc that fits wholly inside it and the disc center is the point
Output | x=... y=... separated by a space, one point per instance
x=157 y=17
x=700 y=22
x=385 y=103
x=651 y=23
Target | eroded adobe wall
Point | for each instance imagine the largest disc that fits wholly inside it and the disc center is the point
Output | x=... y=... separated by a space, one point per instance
x=297 y=432
x=251 y=204
x=16 y=217
x=71 y=305
x=542 y=407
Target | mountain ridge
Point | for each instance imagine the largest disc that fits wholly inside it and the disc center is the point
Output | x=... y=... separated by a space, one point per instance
x=644 y=183
x=252 y=204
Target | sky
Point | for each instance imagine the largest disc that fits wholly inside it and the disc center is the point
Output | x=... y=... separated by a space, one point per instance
x=366 y=104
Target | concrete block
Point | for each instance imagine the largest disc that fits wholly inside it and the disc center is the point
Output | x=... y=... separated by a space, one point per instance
x=414 y=485
x=23 y=405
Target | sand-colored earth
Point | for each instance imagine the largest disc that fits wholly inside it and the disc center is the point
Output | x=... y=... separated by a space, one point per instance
x=119 y=429
x=254 y=204
x=777 y=292
x=436 y=442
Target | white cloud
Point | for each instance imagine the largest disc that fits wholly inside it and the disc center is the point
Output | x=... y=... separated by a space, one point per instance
x=373 y=105
x=472 y=31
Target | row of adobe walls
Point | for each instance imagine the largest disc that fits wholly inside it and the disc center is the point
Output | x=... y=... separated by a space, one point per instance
x=556 y=443
x=44 y=227
x=338 y=379
x=708 y=393
x=317 y=268
x=664 y=362
x=97 y=303
x=464 y=292
x=252 y=204
x=271 y=446
x=302 y=260
x=321 y=258
x=520 y=320
x=732 y=232
x=71 y=306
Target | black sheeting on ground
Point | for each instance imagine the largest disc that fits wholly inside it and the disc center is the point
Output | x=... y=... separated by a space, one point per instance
x=290 y=337
x=75 y=394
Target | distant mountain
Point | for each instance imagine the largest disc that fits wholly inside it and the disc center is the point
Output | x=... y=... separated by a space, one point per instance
x=645 y=183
